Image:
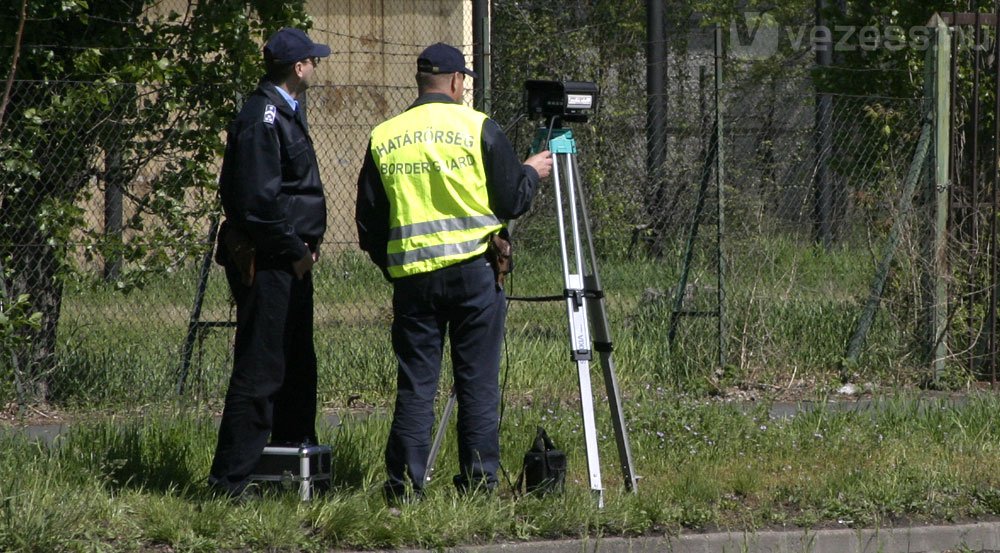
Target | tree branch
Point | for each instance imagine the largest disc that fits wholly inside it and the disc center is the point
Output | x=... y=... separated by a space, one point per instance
x=13 y=63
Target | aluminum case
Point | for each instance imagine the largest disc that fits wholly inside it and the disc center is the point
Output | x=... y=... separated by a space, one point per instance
x=306 y=465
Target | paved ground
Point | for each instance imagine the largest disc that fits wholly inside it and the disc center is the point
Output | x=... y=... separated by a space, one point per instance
x=961 y=538
x=49 y=432
x=48 y=428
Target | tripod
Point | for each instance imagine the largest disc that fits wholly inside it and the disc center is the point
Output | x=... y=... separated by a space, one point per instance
x=585 y=307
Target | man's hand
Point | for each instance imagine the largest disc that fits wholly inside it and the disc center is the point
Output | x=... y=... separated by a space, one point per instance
x=304 y=265
x=541 y=162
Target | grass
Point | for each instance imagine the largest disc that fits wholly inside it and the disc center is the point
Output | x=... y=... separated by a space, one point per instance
x=137 y=482
x=130 y=483
x=790 y=309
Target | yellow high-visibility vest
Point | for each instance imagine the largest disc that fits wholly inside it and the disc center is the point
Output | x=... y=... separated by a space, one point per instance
x=431 y=161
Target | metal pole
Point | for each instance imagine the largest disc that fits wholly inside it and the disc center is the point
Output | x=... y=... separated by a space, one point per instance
x=995 y=163
x=867 y=316
x=22 y=399
x=439 y=435
x=194 y=323
x=707 y=154
x=720 y=196
x=480 y=54
x=714 y=156
x=823 y=142
x=974 y=202
x=113 y=211
x=939 y=309
x=656 y=103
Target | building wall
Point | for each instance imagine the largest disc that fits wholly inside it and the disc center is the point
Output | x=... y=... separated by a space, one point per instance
x=368 y=78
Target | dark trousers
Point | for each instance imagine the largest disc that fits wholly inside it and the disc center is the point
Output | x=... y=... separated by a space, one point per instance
x=464 y=301
x=272 y=391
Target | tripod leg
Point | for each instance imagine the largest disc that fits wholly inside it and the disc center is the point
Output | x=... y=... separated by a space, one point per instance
x=439 y=436
x=590 y=430
x=576 y=310
x=602 y=342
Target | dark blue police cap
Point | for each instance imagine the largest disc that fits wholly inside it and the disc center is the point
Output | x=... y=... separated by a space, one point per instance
x=442 y=58
x=289 y=45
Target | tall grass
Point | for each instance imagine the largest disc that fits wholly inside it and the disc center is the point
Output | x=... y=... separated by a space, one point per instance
x=128 y=483
x=790 y=308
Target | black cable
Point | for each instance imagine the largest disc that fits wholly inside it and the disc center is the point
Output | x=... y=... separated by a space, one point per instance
x=536 y=298
x=548 y=137
x=511 y=298
x=503 y=392
x=506 y=130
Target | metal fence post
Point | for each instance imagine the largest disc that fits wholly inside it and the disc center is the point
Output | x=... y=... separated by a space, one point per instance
x=113 y=211
x=481 y=54
x=939 y=263
x=713 y=159
x=993 y=206
x=913 y=176
x=656 y=103
x=19 y=389
x=720 y=196
x=824 y=144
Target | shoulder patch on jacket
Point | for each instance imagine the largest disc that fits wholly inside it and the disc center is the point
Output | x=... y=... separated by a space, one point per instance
x=270 y=112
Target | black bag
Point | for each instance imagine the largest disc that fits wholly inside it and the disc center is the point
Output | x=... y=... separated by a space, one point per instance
x=544 y=466
x=236 y=246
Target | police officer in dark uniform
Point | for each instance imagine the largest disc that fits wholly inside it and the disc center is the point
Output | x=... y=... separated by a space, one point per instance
x=275 y=219
x=437 y=180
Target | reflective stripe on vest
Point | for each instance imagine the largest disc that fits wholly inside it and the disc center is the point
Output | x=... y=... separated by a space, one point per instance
x=431 y=163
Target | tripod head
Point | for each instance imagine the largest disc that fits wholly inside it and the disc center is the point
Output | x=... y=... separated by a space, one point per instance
x=557 y=102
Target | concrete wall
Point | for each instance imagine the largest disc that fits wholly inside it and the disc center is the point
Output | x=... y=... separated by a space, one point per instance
x=368 y=78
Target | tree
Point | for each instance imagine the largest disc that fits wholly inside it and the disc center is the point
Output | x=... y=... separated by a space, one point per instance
x=102 y=91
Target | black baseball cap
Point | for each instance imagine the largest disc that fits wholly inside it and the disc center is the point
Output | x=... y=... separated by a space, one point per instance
x=442 y=58
x=289 y=45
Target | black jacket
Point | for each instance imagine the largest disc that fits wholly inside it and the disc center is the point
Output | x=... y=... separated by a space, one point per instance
x=510 y=184
x=270 y=184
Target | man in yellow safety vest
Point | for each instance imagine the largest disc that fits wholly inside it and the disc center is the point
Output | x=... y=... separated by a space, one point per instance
x=438 y=181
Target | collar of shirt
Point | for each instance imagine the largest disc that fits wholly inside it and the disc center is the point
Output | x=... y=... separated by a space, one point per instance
x=288 y=98
x=432 y=98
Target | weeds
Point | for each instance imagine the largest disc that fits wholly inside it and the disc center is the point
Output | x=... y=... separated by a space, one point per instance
x=127 y=483
x=790 y=309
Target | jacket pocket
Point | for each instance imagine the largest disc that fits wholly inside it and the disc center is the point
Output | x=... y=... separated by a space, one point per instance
x=299 y=159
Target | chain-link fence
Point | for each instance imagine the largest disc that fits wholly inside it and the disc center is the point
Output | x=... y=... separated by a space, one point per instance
x=87 y=207
x=790 y=304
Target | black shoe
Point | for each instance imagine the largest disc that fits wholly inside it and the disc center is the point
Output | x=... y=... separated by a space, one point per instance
x=396 y=496
x=250 y=493
x=484 y=486
x=238 y=494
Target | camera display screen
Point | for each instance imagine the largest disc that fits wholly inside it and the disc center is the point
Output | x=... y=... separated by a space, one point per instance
x=579 y=101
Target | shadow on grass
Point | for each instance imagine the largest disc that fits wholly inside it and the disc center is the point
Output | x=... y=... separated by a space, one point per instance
x=358 y=453
x=165 y=453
